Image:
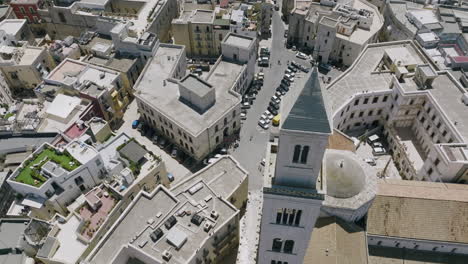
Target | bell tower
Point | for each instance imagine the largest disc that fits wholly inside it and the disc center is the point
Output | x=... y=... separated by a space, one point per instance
x=291 y=203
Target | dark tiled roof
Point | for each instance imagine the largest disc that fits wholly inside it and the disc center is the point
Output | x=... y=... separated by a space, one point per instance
x=308 y=112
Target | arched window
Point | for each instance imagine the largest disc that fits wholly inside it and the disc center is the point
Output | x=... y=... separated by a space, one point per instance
x=225 y=120
x=305 y=152
x=234 y=125
x=277 y=244
x=288 y=246
x=297 y=152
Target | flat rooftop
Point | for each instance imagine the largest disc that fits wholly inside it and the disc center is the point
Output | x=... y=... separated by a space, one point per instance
x=10 y=232
x=242 y=41
x=154 y=88
x=150 y=211
x=360 y=35
x=119 y=63
x=10 y=144
x=387 y=255
x=12 y=26
x=401 y=206
x=66 y=69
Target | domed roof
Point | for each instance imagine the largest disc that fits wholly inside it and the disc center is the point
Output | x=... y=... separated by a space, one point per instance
x=345 y=177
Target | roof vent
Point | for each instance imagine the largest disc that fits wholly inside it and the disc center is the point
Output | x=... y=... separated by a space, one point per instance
x=102 y=75
x=156 y=235
x=170 y=222
x=197 y=219
x=166 y=255
x=214 y=215
x=207 y=226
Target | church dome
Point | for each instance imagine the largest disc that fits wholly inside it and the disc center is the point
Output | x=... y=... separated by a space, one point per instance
x=345 y=177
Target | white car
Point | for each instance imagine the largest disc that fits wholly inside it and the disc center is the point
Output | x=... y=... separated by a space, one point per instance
x=263 y=124
x=288 y=71
x=264 y=117
x=275 y=99
x=289 y=77
x=377 y=151
x=301 y=55
x=370 y=161
x=243 y=116
x=269 y=115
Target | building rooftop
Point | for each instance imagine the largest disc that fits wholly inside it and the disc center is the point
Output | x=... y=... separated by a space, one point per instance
x=149 y=212
x=117 y=62
x=335 y=241
x=162 y=93
x=12 y=26
x=363 y=76
x=63 y=105
x=308 y=112
x=238 y=40
x=14 y=143
x=196 y=85
x=11 y=232
x=401 y=206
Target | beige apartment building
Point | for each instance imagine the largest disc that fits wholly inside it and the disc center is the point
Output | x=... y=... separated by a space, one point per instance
x=200 y=32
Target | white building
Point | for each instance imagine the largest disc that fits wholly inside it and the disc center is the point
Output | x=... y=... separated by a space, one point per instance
x=420 y=109
x=196 y=114
x=196 y=220
x=335 y=33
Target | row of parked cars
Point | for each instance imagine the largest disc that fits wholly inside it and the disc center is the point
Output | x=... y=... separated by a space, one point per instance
x=272 y=112
x=159 y=140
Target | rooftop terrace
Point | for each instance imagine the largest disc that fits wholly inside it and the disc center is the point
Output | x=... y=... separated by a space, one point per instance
x=30 y=173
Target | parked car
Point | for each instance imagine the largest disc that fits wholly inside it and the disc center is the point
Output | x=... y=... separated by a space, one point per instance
x=373 y=138
x=301 y=55
x=276 y=99
x=245 y=105
x=290 y=72
x=275 y=106
x=289 y=77
x=140 y=126
x=135 y=123
x=286 y=33
x=285 y=82
x=284 y=87
x=324 y=67
x=294 y=48
x=280 y=91
x=174 y=152
x=223 y=151
x=269 y=115
x=293 y=68
x=155 y=139
x=278 y=94
x=276 y=7
x=243 y=116
x=263 y=117
x=263 y=124
x=370 y=161
x=272 y=110
x=162 y=142
x=263 y=162
x=377 y=151
x=170 y=177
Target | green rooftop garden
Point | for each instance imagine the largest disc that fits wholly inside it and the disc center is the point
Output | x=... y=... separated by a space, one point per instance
x=30 y=173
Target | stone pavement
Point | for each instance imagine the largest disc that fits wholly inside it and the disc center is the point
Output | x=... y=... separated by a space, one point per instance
x=248 y=242
x=172 y=165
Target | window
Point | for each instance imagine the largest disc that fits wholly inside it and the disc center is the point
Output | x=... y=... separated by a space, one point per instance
x=288 y=246
x=216 y=128
x=14 y=75
x=411 y=101
x=297 y=220
x=370 y=112
x=429 y=172
x=225 y=121
x=178 y=131
x=207 y=29
x=438 y=125
x=361 y=114
x=422 y=119
x=356 y=102
x=279 y=214
x=234 y=125
x=197 y=28
x=220 y=37
x=444 y=133
x=62 y=18
x=433 y=117
x=277 y=244
x=352 y=115
x=22 y=10
x=396 y=97
x=385 y=98
x=217 y=139
x=328 y=34
x=379 y=111
x=375 y=100
x=305 y=152
x=297 y=152
x=234 y=114
x=191 y=150
x=190 y=140
x=366 y=100
x=407 y=112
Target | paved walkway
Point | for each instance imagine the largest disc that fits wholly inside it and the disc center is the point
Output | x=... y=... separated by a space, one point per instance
x=249 y=239
x=172 y=165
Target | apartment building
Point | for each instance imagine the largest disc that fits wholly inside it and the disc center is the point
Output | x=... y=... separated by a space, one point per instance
x=199 y=32
x=64 y=18
x=53 y=176
x=196 y=220
x=419 y=107
x=24 y=67
x=104 y=88
x=27 y=9
x=200 y=114
x=335 y=33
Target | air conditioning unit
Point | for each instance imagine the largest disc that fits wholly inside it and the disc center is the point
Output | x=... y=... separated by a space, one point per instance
x=166 y=255
x=207 y=226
